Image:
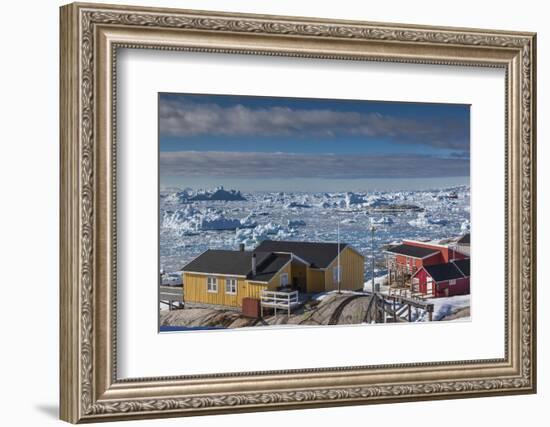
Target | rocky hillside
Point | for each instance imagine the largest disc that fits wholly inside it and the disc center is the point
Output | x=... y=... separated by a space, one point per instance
x=314 y=312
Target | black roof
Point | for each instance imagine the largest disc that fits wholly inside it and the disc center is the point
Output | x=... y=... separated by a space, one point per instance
x=238 y=263
x=464 y=266
x=269 y=267
x=317 y=254
x=411 y=250
x=442 y=272
x=465 y=240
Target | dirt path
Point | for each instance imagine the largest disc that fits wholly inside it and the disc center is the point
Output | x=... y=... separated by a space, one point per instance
x=340 y=308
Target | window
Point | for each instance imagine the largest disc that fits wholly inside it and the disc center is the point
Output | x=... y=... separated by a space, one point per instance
x=452 y=282
x=212 y=284
x=231 y=286
x=284 y=279
x=336 y=277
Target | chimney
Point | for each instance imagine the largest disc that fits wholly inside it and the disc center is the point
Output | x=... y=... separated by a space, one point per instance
x=253 y=264
x=241 y=247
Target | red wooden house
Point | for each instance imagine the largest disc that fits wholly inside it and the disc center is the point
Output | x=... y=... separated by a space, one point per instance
x=411 y=255
x=405 y=260
x=443 y=280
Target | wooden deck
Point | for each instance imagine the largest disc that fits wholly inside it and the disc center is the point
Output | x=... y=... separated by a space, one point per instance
x=279 y=300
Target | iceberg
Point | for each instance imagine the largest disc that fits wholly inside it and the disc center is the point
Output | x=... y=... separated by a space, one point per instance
x=349 y=221
x=424 y=221
x=385 y=220
x=248 y=222
x=354 y=199
x=218 y=222
x=218 y=194
x=190 y=219
x=297 y=205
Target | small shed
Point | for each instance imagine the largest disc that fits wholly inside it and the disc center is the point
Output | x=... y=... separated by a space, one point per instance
x=443 y=280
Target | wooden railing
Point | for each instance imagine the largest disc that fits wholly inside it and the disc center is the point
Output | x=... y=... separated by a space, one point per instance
x=281 y=300
x=407 y=293
x=406 y=268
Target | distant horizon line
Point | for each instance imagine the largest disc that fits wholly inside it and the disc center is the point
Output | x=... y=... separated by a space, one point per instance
x=170 y=188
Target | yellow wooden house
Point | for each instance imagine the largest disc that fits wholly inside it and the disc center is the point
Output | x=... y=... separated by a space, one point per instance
x=225 y=277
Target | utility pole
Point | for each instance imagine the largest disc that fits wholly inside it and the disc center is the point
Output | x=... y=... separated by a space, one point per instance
x=372 y=249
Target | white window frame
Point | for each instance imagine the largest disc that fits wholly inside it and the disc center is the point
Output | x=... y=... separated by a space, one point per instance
x=231 y=286
x=336 y=274
x=285 y=275
x=212 y=284
x=452 y=282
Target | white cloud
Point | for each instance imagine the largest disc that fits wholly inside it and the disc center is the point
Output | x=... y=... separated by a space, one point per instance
x=185 y=118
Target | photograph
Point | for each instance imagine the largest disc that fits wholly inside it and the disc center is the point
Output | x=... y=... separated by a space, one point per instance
x=301 y=212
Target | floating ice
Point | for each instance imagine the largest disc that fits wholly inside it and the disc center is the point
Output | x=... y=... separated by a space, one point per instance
x=190 y=219
x=354 y=199
x=248 y=222
x=179 y=219
x=218 y=222
x=424 y=221
x=293 y=223
x=349 y=221
x=217 y=194
x=297 y=205
x=382 y=220
x=189 y=228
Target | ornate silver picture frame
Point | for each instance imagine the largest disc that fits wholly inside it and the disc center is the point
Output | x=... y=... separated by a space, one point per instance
x=91 y=36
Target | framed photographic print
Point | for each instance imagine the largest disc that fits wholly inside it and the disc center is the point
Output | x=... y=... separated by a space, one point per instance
x=265 y=212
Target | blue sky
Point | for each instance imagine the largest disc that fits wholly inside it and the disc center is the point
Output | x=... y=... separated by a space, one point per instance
x=273 y=143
